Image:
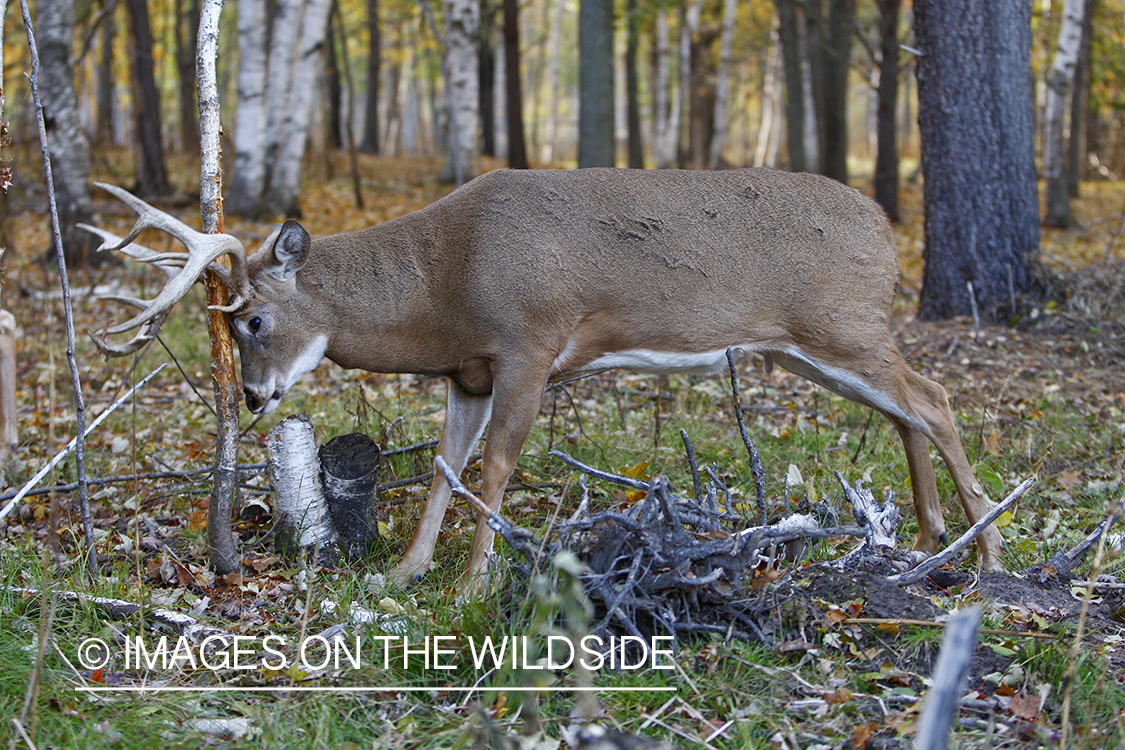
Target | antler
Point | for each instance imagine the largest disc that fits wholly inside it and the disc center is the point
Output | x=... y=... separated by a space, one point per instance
x=182 y=269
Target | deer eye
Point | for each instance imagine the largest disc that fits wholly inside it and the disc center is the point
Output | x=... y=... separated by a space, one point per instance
x=254 y=324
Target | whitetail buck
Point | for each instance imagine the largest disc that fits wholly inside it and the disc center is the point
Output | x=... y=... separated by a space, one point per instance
x=522 y=278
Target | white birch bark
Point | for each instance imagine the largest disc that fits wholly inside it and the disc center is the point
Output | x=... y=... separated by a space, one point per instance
x=284 y=38
x=1060 y=85
x=662 y=146
x=726 y=62
x=294 y=470
x=248 y=178
x=462 y=23
x=765 y=151
x=285 y=177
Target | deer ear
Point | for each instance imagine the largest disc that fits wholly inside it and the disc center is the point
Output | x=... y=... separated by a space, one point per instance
x=290 y=251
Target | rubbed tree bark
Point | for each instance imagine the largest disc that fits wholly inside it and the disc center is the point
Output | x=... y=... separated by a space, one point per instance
x=838 y=59
x=187 y=29
x=224 y=481
x=371 y=142
x=632 y=85
x=975 y=114
x=152 y=180
x=789 y=31
x=596 y=147
x=886 y=130
x=513 y=84
x=70 y=151
x=1060 y=86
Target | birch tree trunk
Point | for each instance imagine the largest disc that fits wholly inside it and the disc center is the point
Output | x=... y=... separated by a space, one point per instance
x=719 y=136
x=248 y=178
x=224 y=482
x=765 y=151
x=665 y=140
x=1060 y=85
x=284 y=189
x=70 y=149
x=462 y=22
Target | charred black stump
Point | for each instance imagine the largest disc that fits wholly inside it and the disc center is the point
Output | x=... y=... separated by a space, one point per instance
x=349 y=467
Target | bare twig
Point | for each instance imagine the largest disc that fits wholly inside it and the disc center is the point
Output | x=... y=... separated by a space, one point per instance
x=755 y=458
x=61 y=455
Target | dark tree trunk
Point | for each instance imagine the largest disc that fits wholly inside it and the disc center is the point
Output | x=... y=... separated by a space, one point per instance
x=975 y=114
x=816 y=35
x=632 y=94
x=596 y=146
x=1079 y=105
x=103 y=131
x=187 y=29
x=886 y=130
x=838 y=58
x=790 y=35
x=152 y=180
x=371 y=142
x=517 y=148
x=701 y=105
x=486 y=72
x=334 y=126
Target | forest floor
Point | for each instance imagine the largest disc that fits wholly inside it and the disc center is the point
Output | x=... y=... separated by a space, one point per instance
x=846 y=658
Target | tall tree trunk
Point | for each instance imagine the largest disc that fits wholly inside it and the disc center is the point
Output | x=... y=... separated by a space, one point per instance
x=371 y=143
x=1060 y=85
x=1080 y=104
x=462 y=21
x=70 y=151
x=517 y=148
x=838 y=58
x=187 y=29
x=666 y=121
x=103 y=129
x=152 y=180
x=486 y=83
x=284 y=187
x=886 y=160
x=333 y=99
x=248 y=178
x=635 y=147
x=789 y=29
x=690 y=14
x=596 y=143
x=701 y=87
x=726 y=61
x=550 y=141
x=975 y=114
x=765 y=151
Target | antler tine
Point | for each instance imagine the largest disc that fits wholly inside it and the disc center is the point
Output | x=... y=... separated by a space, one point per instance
x=203 y=249
x=147 y=333
x=110 y=241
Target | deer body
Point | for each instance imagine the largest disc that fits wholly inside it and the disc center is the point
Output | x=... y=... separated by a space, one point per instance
x=520 y=278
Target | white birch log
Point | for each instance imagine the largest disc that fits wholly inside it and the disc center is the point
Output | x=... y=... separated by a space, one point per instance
x=294 y=469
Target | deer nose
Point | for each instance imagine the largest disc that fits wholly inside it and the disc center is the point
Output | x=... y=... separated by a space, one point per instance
x=253 y=402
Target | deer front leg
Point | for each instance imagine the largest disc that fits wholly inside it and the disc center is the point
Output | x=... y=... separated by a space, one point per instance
x=518 y=394
x=465 y=418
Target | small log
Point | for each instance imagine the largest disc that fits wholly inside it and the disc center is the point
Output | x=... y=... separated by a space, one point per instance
x=942 y=700
x=303 y=520
x=349 y=467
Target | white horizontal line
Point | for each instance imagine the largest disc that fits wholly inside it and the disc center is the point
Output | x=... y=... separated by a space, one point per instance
x=383 y=689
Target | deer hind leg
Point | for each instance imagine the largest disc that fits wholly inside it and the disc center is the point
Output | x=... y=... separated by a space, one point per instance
x=465 y=418
x=919 y=409
x=929 y=402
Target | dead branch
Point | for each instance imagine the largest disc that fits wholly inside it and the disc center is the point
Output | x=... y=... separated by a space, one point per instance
x=755 y=458
x=942 y=700
x=947 y=554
